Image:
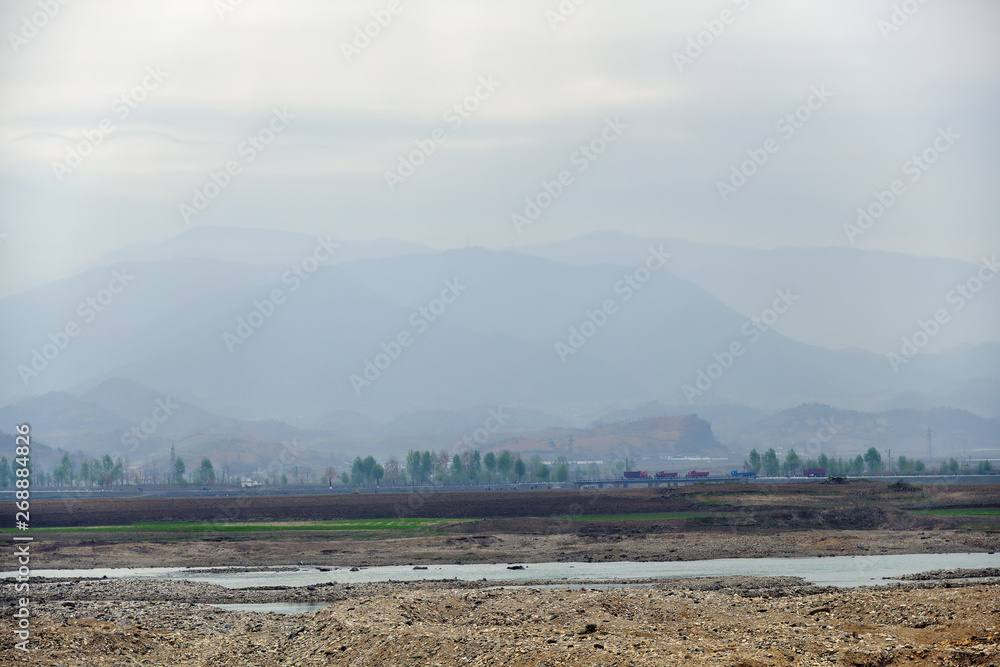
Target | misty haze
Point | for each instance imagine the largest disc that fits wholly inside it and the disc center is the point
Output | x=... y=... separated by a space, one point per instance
x=390 y=313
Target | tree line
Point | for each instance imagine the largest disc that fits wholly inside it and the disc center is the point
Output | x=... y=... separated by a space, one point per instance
x=445 y=467
x=870 y=462
x=101 y=472
x=472 y=467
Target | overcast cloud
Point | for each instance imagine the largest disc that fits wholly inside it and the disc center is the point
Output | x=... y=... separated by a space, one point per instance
x=222 y=76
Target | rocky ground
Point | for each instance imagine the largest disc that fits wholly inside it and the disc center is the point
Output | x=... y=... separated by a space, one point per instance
x=938 y=618
x=737 y=622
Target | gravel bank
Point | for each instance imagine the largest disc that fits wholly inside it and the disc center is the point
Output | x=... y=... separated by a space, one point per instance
x=961 y=573
x=745 y=622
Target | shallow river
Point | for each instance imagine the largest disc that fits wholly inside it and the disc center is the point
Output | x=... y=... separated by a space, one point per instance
x=843 y=571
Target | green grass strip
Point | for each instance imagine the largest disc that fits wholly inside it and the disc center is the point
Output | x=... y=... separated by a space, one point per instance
x=635 y=517
x=963 y=511
x=254 y=526
x=404 y=524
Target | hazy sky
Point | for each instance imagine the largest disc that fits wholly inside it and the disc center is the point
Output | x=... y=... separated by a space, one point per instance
x=204 y=75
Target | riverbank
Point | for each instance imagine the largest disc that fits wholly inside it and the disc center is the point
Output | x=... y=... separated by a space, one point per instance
x=743 y=621
x=731 y=621
x=55 y=552
x=591 y=525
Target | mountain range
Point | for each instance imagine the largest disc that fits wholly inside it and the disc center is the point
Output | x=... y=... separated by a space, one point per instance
x=271 y=337
x=123 y=418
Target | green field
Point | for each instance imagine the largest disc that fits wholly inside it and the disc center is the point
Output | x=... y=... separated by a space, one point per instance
x=257 y=526
x=395 y=525
x=969 y=511
x=634 y=517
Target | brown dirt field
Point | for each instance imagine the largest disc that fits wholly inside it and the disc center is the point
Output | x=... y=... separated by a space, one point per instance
x=732 y=521
x=456 y=505
x=717 y=498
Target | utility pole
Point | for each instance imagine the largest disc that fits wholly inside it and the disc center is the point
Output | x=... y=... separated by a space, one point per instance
x=929 y=450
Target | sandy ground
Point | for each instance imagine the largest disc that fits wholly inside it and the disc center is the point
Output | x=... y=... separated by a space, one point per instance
x=736 y=622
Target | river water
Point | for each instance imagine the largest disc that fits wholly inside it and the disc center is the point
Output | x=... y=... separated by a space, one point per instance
x=841 y=571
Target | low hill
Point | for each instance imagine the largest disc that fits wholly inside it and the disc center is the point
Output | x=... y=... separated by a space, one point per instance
x=815 y=427
x=658 y=437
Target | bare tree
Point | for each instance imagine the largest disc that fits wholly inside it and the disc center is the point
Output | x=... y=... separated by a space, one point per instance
x=443 y=463
x=393 y=469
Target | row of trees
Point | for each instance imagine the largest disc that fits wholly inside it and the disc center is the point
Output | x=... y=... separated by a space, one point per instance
x=364 y=472
x=100 y=472
x=468 y=467
x=92 y=472
x=871 y=463
x=425 y=467
x=769 y=466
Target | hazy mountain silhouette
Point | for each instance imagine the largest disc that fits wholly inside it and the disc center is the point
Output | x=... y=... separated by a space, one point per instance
x=849 y=298
x=481 y=328
x=811 y=428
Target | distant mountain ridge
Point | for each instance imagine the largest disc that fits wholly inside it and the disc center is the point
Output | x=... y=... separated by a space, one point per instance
x=255 y=246
x=652 y=438
x=303 y=344
x=881 y=294
x=125 y=419
x=811 y=428
x=108 y=418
